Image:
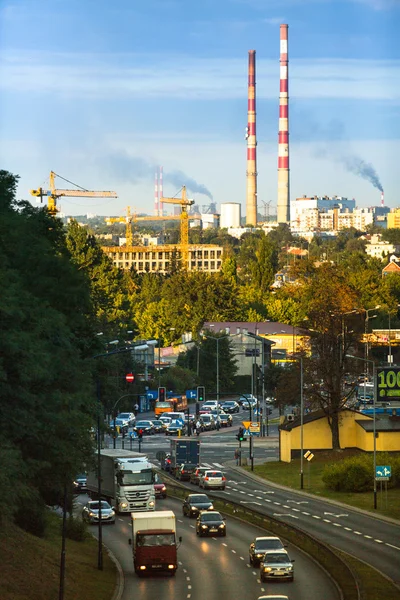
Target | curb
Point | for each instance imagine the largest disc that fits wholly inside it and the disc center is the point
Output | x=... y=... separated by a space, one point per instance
x=232 y=465
x=119 y=586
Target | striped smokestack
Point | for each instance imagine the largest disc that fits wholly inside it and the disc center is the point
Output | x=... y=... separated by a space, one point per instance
x=161 y=193
x=251 y=173
x=156 y=193
x=382 y=199
x=283 y=208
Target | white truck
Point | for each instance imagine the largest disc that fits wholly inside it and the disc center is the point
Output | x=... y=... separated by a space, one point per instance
x=127 y=481
x=154 y=543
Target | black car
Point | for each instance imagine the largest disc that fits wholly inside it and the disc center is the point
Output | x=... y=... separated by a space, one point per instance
x=79 y=484
x=184 y=472
x=146 y=427
x=230 y=406
x=260 y=546
x=195 y=503
x=158 y=426
x=210 y=523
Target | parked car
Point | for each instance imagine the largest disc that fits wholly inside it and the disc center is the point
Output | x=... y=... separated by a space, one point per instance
x=159 y=487
x=212 y=480
x=90 y=512
x=184 y=472
x=195 y=476
x=230 y=406
x=259 y=547
x=277 y=565
x=194 y=503
x=225 y=420
x=79 y=483
x=146 y=426
x=210 y=522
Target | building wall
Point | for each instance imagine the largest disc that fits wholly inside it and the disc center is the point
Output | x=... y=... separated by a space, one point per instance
x=202 y=257
x=285 y=448
x=393 y=219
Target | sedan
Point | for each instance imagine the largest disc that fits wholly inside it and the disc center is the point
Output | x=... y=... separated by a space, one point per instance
x=176 y=428
x=158 y=426
x=195 y=503
x=213 y=480
x=79 y=483
x=259 y=547
x=195 y=476
x=276 y=565
x=184 y=472
x=225 y=420
x=207 y=422
x=210 y=523
x=230 y=406
x=127 y=416
x=146 y=427
x=90 y=512
x=159 y=487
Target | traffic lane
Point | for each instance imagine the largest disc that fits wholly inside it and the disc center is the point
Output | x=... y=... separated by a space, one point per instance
x=226 y=559
x=368 y=538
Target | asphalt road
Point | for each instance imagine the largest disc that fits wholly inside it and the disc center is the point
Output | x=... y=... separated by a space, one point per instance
x=213 y=568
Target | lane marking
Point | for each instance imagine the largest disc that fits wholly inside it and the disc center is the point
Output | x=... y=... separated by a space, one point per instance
x=336 y=524
x=348 y=529
x=241 y=558
x=391 y=546
x=305 y=513
x=357 y=532
x=233 y=551
x=378 y=541
x=327 y=521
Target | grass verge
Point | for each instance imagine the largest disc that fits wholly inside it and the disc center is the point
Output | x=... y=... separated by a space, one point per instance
x=289 y=474
x=371 y=583
x=30 y=566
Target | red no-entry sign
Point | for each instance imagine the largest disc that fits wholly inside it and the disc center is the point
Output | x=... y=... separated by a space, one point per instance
x=130 y=377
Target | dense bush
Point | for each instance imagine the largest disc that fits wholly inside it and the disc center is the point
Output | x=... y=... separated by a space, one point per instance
x=356 y=474
x=76 y=529
x=31 y=516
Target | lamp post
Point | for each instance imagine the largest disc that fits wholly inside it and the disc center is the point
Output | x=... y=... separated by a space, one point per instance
x=374 y=425
x=301 y=425
x=366 y=346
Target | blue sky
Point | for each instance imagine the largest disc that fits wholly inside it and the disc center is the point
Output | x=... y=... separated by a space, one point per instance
x=101 y=92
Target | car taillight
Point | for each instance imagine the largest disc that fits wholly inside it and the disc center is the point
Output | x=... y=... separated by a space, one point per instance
x=206 y=478
x=224 y=479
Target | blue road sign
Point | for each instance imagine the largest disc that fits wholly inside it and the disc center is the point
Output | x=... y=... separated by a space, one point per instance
x=383 y=472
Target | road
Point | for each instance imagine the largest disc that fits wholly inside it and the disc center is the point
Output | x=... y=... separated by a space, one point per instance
x=366 y=537
x=213 y=568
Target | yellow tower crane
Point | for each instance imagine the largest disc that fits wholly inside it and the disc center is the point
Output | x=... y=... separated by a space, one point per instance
x=128 y=221
x=53 y=194
x=184 y=203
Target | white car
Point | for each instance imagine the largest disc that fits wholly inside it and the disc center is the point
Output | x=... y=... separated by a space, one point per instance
x=90 y=512
x=212 y=480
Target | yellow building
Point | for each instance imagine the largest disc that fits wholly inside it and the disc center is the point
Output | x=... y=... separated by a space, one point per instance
x=393 y=219
x=355 y=431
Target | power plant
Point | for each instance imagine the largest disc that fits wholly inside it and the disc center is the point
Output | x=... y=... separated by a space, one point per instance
x=251 y=173
x=283 y=205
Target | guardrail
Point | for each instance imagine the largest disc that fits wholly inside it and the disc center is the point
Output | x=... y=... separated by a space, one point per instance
x=326 y=556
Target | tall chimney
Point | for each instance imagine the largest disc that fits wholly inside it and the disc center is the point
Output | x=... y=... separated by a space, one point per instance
x=251 y=173
x=156 y=193
x=382 y=199
x=160 y=193
x=283 y=207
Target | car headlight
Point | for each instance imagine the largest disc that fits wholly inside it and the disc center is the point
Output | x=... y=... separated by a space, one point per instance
x=151 y=503
x=123 y=504
x=112 y=513
x=222 y=525
x=163 y=488
x=204 y=526
x=211 y=507
x=91 y=514
x=259 y=555
x=267 y=569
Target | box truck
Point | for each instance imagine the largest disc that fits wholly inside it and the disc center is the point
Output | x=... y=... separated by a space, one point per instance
x=184 y=451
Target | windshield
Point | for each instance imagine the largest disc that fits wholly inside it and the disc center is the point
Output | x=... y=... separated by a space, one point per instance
x=95 y=506
x=276 y=558
x=159 y=539
x=123 y=416
x=268 y=544
x=140 y=478
x=163 y=405
x=211 y=517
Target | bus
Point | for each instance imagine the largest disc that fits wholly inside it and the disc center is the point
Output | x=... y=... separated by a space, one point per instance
x=175 y=404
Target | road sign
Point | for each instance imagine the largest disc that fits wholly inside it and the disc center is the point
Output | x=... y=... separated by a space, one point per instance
x=246 y=424
x=130 y=377
x=383 y=473
x=309 y=455
x=388 y=383
x=251 y=428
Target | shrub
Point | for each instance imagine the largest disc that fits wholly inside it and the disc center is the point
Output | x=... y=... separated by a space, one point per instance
x=355 y=474
x=76 y=529
x=31 y=516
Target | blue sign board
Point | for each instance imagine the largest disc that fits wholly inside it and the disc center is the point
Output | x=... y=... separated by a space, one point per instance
x=191 y=394
x=383 y=472
x=152 y=394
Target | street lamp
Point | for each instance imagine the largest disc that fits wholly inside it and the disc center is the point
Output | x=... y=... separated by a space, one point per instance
x=374 y=426
x=366 y=346
x=301 y=424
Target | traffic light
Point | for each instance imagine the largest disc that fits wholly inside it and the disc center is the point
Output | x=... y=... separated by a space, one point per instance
x=240 y=435
x=201 y=393
x=162 y=394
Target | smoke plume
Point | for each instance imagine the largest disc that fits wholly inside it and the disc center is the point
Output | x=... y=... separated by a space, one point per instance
x=358 y=166
x=133 y=169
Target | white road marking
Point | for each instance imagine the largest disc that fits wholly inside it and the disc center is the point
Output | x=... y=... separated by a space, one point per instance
x=233 y=551
x=327 y=521
x=315 y=517
x=296 y=509
x=285 y=515
x=391 y=546
x=220 y=466
x=277 y=503
x=295 y=501
x=223 y=543
x=258 y=497
x=252 y=495
x=379 y=541
x=241 y=558
x=333 y=514
x=305 y=513
x=336 y=524
x=369 y=537
x=348 y=529
x=357 y=532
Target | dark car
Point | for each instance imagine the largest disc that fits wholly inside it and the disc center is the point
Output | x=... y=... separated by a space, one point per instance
x=210 y=523
x=146 y=427
x=195 y=476
x=184 y=472
x=259 y=547
x=158 y=426
x=225 y=420
x=79 y=483
x=159 y=487
x=230 y=406
x=195 y=503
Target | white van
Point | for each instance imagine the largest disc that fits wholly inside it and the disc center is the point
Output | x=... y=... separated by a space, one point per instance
x=175 y=416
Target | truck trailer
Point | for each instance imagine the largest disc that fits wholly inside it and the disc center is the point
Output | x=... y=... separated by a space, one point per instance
x=184 y=451
x=154 y=543
x=127 y=481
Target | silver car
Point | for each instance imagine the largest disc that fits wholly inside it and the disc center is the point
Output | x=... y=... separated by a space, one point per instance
x=90 y=512
x=276 y=564
x=212 y=480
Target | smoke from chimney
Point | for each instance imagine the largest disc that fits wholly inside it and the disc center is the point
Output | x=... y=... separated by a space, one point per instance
x=358 y=166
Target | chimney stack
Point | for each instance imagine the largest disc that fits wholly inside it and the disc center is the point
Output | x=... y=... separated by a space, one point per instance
x=382 y=199
x=156 y=193
x=160 y=193
x=283 y=207
x=251 y=173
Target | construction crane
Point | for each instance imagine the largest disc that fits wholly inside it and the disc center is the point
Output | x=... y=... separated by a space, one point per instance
x=128 y=221
x=53 y=194
x=184 y=203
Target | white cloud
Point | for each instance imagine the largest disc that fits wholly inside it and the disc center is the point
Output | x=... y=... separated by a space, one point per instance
x=128 y=77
